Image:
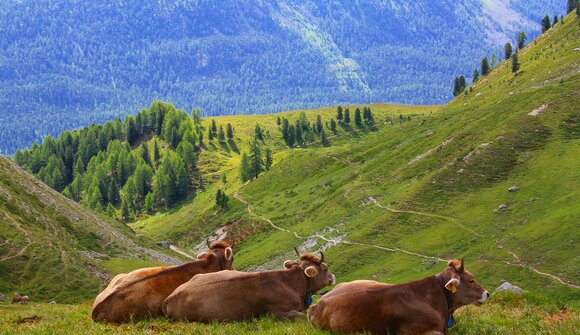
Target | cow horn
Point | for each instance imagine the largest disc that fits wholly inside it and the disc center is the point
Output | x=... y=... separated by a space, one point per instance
x=233 y=243
x=297 y=253
x=207 y=242
x=461 y=267
x=321 y=256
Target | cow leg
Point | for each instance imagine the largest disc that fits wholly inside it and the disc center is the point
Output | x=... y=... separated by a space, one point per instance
x=292 y=315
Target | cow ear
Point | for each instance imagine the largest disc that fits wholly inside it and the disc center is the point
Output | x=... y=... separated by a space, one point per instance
x=311 y=271
x=202 y=255
x=452 y=285
x=229 y=253
x=288 y=264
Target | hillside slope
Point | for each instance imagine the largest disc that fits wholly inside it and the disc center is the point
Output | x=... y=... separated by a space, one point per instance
x=51 y=248
x=394 y=204
x=66 y=64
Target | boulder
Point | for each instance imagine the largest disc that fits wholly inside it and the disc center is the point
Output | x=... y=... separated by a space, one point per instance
x=2 y=298
x=503 y=207
x=508 y=287
x=52 y=302
x=164 y=244
x=514 y=188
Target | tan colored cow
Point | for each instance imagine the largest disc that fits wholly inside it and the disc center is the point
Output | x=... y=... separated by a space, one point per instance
x=21 y=299
x=420 y=307
x=233 y=295
x=140 y=293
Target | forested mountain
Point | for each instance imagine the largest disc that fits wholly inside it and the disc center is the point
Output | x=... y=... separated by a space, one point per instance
x=65 y=64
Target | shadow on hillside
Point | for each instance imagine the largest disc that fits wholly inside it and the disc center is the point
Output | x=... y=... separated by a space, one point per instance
x=233 y=146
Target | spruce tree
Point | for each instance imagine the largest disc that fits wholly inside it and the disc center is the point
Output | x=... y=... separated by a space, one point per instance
x=278 y=121
x=521 y=39
x=213 y=128
x=291 y=136
x=230 y=130
x=221 y=134
x=358 y=118
x=475 y=75
x=319 y=126
x=298 y=133
x=256 y=161
x=555 y=20
x=571 y=6
x=245 y=168
x=156 y=153
x=210 y=134
x=333 y=125
x=515 y=63
x=258 y=133
x=324 y=139
x=347 y=116
x=507 y=51
x=339 y=115
x=484 y=66
x=269 y=159
x=546 y=25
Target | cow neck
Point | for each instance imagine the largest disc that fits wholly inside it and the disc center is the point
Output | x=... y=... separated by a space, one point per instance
x=446 y=293
x=303 y=285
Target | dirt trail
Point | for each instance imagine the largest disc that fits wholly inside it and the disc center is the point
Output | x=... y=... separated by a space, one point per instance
x=182 y=253
x=411 y=253
x=26 y=235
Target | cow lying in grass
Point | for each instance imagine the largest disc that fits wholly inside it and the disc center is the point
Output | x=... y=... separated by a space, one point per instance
x=420 y=307
x=21 y=299
x=234 y=296
x=140 y=293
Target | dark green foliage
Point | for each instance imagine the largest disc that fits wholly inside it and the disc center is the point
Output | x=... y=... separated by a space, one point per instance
x=347 y=116
x=358 y=118
x=221 y=135
x=546 y=24
x=210 y=134
x=319 y=126
x=521 y=39
x=245 y=168
x=485 y=66
x=339 y=114
x=221 y=199
x=475 y=75
x=515 y=63
x=269 y=159
x=555 y=20
x=230 y=130
x=571 y=6
x=323 y=139
x=507 y=50
x=278 y=121
x=368 y=117
x=256 y=161
x=97 y=166
x=459 y=85
x=258 y=132
x=213 y=128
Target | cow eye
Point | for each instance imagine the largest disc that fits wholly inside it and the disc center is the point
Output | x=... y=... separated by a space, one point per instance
x=472 y=281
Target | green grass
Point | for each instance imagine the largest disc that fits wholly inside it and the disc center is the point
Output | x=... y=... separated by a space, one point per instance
x=505 y=314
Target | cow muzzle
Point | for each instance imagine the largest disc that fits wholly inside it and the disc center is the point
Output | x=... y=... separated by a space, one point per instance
x=484 y=297
x=332 y=280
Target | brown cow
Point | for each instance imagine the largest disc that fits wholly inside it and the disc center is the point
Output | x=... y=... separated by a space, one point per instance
x=22 y=299
x=419 y=307
x=233 y=295
x=140 y=293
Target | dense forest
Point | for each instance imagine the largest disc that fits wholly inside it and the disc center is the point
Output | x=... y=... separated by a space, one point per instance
x=138 y=165
x=66 y=64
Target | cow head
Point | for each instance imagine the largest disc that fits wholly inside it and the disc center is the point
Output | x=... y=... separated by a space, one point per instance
x=315 y=269
x=221 y=253
x=465 y=290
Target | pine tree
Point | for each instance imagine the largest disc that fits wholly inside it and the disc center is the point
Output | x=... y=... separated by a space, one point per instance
x=144 y=153
x=358 y=118
x=456 y=87
x=319 y=126
x=546 y=25
x=156 y=153
x=555 y=20
x=200 y=139
x=291 y=136
x=256 y=162
x=278 y=121
x=245 y=168
x=149 y=203
x=213 y=128
x=125 y=211
x=269 y=159
x=130 y=129
x=324 y=139
x=210 y=134
x=507 y=50
x=347 y=116
x=230 y=130
x=333 y=125
x=298 y=132
x=515 y=63
x=111 y=211
x=484 y=66
x=258 y=133
x=571 y=6
x=475 y=75
x=339 y=115
x=521 y=39
x=493 y=60
x=221 y=135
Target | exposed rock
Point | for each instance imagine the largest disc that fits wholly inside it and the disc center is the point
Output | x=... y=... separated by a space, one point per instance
x=500 y=138
x=503 y=207
x=508 y=287
x=164 y=244
x=2 y=298
x=538 y=110
x=514 y=188
x=52 y=302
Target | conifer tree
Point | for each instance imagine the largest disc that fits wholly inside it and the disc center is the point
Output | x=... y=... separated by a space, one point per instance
x=278 y=121
x=258 y=133
x=269 y=159
x=347 y=116
x=125 y=211
x=546 y=25
x=256 y=161
x=156 y=153
x=149 y=203
x=333 y=125
x=339 y=115
x=324 y=139
x=507 y=50
x=358 y=118
x=484 y=66
x=521 y=39
x=291 y=136
x=571 y=6
x=555 y=20
x=213 y=128
x=245 y=168
x=298 y=132
x=515 y=63
x=221 y=135
x=230 y=130
x=210 y=134
x=475 y=75
x=319 y=126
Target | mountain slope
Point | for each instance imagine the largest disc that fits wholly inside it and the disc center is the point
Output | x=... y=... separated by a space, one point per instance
x=67 y=64
x=394 y=204
x=51 y=248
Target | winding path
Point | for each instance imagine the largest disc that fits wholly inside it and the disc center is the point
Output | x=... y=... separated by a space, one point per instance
x=26 y=235
x=182 y=253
